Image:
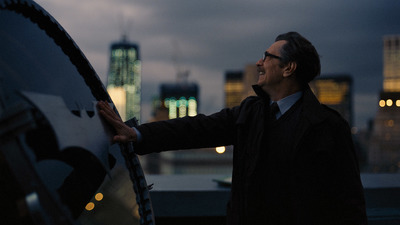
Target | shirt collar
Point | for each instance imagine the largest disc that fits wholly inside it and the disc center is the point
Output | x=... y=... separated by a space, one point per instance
x=286 y=103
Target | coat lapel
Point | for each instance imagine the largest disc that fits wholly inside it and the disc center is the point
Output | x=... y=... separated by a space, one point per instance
x=312 y=113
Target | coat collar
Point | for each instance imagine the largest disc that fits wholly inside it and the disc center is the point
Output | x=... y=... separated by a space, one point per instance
x=312 y=108
x=312 y=111
x=260 y=92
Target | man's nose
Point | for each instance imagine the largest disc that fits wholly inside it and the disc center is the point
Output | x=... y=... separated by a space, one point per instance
x=259 y=62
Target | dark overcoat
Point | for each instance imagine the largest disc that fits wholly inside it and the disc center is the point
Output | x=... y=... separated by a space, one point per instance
x=317 y=182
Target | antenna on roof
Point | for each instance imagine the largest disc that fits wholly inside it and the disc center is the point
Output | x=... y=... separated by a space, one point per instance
x=125 y=26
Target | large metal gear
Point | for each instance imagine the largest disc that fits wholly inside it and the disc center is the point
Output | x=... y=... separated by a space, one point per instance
x=49 y=126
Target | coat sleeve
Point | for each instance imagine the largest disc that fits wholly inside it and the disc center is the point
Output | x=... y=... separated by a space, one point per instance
x=200 y=131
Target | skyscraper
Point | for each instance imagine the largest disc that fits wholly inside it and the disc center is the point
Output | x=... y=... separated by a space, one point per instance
x=233 y=88
x=238 y=85
x=391 y=65
x=335 y=91
x=124 y=78
x=384 y=146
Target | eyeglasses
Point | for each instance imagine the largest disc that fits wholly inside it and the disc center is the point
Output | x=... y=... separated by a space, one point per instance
x=266 y=54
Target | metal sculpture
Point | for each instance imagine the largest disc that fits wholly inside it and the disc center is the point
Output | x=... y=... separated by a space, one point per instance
x=49 y=126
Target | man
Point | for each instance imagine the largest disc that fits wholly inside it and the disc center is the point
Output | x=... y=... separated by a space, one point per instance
x=292 y=164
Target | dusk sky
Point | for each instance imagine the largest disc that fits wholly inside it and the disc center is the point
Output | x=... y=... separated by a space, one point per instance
x=209 y=37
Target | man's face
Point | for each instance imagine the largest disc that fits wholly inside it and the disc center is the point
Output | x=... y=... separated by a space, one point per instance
x=270 y=74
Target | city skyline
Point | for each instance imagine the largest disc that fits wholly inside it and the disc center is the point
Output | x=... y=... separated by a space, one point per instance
x=201 y=37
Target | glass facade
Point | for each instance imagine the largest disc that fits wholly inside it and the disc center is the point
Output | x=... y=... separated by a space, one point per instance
x=124 y=79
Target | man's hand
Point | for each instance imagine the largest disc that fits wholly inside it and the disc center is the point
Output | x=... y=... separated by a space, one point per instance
x=124 y=133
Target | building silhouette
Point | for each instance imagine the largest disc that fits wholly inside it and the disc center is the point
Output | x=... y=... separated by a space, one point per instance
x=384 y=139
x=335 y=91
x=233 y=88
x=177 y=100
x=124 y=78
x=181 y=99
x=238 y=85
x=391 y=63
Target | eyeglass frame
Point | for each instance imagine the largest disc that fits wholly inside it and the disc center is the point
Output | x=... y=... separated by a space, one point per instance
x=266 y=54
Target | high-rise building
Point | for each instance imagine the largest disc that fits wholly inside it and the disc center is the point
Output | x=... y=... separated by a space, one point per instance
x=335 y=91
x=238 y=85
x=384 y=145
x=391 y=63
x=233 y=88
x=124 y=78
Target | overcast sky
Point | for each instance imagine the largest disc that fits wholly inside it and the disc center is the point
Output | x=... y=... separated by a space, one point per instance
x=209 y=37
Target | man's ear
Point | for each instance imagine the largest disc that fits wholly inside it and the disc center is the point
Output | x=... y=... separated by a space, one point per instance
x=289 y=69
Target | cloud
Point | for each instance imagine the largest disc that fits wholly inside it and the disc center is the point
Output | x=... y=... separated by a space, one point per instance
x=215 y=36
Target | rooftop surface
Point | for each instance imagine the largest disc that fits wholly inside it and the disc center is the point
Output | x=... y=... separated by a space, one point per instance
x=185 y=196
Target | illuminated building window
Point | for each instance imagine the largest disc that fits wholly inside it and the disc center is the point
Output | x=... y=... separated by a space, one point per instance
x=336 y=92
x=382 y=103
x=118 y=52
x=390 y=84
x=132 y=53
x=389 y=102
x=391 y=54
x=192 y=106
x=331 y=92
x=182 y=105
x=234 y=88
x=172 y=108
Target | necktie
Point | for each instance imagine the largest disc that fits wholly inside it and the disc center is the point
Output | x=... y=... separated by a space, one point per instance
x=274 y=109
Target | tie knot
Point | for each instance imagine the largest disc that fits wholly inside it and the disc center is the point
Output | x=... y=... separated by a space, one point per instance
x=274 y=109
